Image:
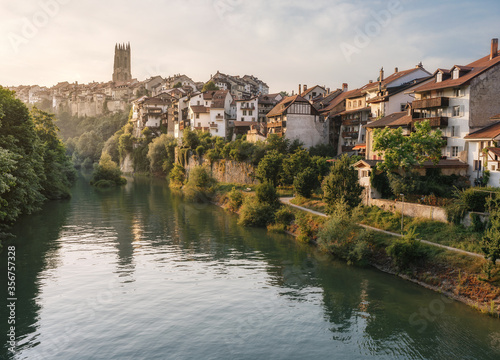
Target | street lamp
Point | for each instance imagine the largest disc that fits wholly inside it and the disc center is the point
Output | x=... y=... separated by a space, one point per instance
x=402 y=212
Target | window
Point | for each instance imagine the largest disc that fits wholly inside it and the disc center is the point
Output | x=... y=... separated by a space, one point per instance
x=197 y=116
x=439 y=93
x=242 y=119
x=199 y=124
x=477 y=165
x=439 y=77
x=454 y=131
x=454 y=151
x=459 y=92
x=403 y=107
x=456 y=110
x=359 y=102
x=456 y=74
x=244 y=113
x=250 y=112
x=198 y=102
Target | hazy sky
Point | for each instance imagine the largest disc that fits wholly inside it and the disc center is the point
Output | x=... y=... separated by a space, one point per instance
x=282 y=42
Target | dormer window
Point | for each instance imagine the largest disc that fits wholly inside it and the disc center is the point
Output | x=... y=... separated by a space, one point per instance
x=439 y=77
x=456 y=73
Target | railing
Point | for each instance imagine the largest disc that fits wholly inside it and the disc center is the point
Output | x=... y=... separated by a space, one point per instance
x=350 y=134
x=274 y=124
x=430 y=103
x=213 y=125
x=247 y=107
x=438 y=121
x=347 y=148
x=219 y=117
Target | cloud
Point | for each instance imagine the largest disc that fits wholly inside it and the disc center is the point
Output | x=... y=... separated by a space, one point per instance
x=282 y=42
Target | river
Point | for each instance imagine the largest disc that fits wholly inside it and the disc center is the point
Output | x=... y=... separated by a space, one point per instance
x=136 y=273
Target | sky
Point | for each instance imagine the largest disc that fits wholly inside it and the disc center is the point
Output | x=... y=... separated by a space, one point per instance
x=282 y=42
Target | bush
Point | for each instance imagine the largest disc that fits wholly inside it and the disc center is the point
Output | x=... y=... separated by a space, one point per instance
x=284 y=216
x=256 y=213
x=235 y=199
x=305 y=182
x=200 y=185
x=407 y=251
x=107 y=173
x=266 y=193
x=177 y=176
x=200 y=150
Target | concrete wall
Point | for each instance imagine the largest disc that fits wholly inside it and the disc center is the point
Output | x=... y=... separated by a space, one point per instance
x=412 y=210
x=306 y=128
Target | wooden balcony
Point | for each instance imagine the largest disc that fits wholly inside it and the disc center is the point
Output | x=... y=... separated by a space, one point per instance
x=350 y=134
x=438 y=121
x=275 y=124
x=430 y=103
x=213 y=126
x=347 y=148
x=219 y=117
x=247 y=107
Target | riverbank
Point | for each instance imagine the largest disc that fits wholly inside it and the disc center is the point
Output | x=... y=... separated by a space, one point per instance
x=455 y=273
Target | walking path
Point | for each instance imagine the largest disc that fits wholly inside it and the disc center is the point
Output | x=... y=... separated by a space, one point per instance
x=286 y=200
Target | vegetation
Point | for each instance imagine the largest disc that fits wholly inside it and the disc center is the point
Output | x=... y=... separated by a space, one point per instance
x=107 y=173
x=33 y=163
x=177 y=176
x=161 y=154
x=407 y=251
x=341 y=183
x=200 y=186
x=260 y=210
x=209 y=86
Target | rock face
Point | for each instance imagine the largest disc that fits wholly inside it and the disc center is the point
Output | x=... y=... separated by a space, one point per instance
x=225 y=171
x=127 y=164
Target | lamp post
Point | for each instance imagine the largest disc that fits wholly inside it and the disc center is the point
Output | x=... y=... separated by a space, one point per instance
x=402 y=213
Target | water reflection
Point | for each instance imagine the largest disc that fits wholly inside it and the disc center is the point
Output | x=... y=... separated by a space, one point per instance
x=247 y=290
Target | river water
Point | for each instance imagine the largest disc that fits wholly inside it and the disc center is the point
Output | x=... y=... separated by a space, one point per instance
x=136 y=273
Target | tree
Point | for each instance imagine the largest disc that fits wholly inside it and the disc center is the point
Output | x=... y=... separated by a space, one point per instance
x=403 y=152
x=270 y=167
x=190 y=138
x=209 y=86
x=161 y=154
x=278 y=143
x=305 y=182
x=177 y=85
x=107 y=173
x=342 y=183
x=490 y=243
x=295 y=164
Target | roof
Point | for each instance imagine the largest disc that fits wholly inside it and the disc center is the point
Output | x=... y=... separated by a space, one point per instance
x=199 y=109
x=442 y=164
x=396 y=119
x=488 y=132
x=284 y=104
x=219 y=99
x=337 y=100
x=495 y=151
x=359 y=147
x=398 y=89
x=306 y=92
x=245 y=123
x=367 y=108
x=472 y=70
x=366 y=163
x=393 y=77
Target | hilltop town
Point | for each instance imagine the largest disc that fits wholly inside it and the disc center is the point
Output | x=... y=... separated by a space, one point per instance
x=462 y=101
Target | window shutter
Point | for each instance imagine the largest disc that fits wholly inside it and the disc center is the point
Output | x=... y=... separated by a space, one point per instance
x=462 y=110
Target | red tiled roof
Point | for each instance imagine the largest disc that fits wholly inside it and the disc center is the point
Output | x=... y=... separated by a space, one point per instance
x=341 y=97
x=495 y=151
x=394 y=120
x=477 y=67
x=305 y=92
x=488 y=132
x=367 y=108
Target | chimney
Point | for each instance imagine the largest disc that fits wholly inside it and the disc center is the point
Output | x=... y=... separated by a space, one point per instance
x=305 y=87
x=300 y=89
x=494 y=48
x=370 y=81
x=328 y=91
x=419 y=65
x=396 y=69
x=381 y=77
x=344 y=87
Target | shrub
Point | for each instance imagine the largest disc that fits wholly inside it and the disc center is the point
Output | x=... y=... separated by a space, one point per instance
x=107 y=173
x=200 y=150
x=200 y=185
x=177 y=176
x=266 y=193
x=305 y=182
x=407 y=250
x=235 y=199
x=284 y=216
x=255 y=213
x=270 y=167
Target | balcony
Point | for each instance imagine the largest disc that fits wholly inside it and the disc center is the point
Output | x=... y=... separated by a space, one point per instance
x=347 y=148
x=213 y=126
x=438 y=121
x=247 y=107
x=351 y=122
x=219 y=117
x=430 y=103
x=274 y=124
x=350 y=134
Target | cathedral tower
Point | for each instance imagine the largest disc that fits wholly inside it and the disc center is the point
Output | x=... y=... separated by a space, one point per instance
x=121 y=70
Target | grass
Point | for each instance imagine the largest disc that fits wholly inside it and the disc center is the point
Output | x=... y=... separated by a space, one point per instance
x=314 y=203
x=224 y=188
x=452 y=235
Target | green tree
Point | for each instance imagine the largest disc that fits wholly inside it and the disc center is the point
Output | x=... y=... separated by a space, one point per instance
x=342 y=183
x=402 y=152
x=177 y=176
x=107 y=173
x=161 y=154
x=270 y=167
x=305 y=182
x=278 y=143
x=177 y=85
x=295 y=164
x=209 y=86
x=490 y=243
x=190 y=138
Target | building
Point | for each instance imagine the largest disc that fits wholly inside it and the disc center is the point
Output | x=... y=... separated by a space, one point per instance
x=295 y=118
x=462 y=100
x=121 y=67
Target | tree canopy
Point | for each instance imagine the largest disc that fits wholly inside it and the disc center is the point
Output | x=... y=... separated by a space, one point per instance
x=209 y=86
x=403 y=152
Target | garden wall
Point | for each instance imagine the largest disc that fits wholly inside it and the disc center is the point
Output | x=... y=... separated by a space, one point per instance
x=412 y=210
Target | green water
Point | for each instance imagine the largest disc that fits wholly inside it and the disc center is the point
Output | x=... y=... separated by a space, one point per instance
x=136 y=273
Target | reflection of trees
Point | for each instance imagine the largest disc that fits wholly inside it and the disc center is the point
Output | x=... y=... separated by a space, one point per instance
x=36 y=251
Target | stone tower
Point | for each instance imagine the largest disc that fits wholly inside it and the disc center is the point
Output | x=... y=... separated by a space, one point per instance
x=121 y=69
